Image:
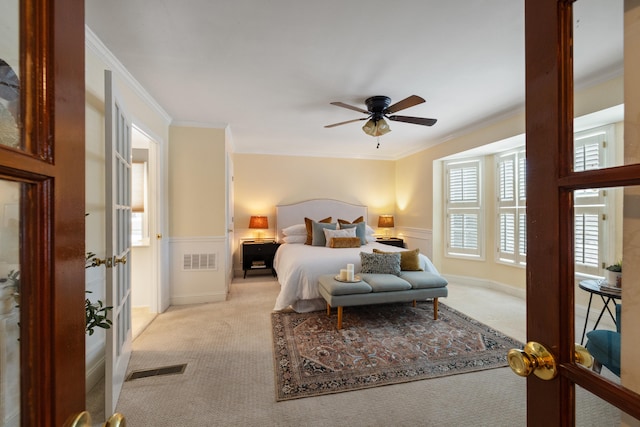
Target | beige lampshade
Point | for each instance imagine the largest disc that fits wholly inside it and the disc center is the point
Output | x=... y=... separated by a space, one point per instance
x=385 y=221
x=259 y=222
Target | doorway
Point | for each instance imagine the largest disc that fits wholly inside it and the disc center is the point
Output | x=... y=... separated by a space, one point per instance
x=145 y=271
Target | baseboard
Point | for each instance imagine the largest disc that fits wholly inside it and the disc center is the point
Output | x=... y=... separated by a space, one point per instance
x=94 y=374
x=198 y=299
x=487 y=284
x=581 y=310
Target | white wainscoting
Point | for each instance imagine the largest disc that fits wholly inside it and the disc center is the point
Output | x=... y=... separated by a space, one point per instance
x=195 y=285
x=419 y=238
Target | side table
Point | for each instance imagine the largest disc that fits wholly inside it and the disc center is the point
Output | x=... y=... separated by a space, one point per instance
x=392 y=241
x=607 y=295
x=258 y=255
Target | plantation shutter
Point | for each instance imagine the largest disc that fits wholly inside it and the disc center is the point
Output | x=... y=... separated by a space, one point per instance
x=511 y=189
x=589 y=204
x=463 y=208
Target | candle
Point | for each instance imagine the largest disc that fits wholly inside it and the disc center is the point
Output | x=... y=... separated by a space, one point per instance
x=350 y=276
x=343 y=274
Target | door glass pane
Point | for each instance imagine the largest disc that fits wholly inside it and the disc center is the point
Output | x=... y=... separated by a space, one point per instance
x=9 y=74
x=607 y=75
x=606 y=296
x=593 y=411
x=9 y=303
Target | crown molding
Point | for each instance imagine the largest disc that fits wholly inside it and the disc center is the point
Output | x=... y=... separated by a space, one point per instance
x=95 y=44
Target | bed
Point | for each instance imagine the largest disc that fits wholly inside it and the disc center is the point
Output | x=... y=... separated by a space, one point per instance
x=299 y=266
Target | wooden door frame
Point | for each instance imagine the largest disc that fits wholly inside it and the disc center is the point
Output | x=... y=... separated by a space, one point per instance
x=51 y=167
x=550 y=184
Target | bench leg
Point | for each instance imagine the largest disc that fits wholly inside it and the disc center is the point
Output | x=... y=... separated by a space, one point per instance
x=435 y=309
x=414 y=303
x=328 y=310
x=339 y=317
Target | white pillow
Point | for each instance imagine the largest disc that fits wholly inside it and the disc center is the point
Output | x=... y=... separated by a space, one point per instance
x=370 y=238
x=370 y=231
x=329 y=234
x=295 y=230
x=295 y=239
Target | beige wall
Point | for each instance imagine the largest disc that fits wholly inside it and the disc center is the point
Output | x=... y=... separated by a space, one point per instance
x=197 y=182
x=264 y=181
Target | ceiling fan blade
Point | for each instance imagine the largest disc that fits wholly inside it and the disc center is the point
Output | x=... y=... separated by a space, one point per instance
x=350 y=107
x=415 y=120
x=405 y=103
x=344 y=123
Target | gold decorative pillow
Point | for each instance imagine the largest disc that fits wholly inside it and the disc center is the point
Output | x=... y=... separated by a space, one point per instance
x=409 y=260
x=344 y=242
x=309 y=225
x=355 y=221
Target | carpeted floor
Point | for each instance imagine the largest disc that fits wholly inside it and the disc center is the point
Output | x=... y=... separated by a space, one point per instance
x=229 y=379
x=379 y=345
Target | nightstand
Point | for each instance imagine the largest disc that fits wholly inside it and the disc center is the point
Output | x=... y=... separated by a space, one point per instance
x=392 y=241
x=258 y=255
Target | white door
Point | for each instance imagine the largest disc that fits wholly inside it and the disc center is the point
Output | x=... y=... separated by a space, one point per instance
x=230 y=227
x=118 y=238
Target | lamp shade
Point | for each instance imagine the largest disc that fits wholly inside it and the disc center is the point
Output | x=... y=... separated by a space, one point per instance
x=385 y=221
x=258 y=222
x=376 y=127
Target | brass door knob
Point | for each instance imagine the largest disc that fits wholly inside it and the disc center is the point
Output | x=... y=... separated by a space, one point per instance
x=83 y=419
x=537 y=359
x=98 y=262
x=534 y=358
x=115 y=420
x=117 y=260
x=583 y=357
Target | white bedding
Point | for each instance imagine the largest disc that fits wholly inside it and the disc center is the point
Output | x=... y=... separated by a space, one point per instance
x=299 y=267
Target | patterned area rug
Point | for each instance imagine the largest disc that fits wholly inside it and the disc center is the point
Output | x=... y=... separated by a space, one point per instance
x=379 y=345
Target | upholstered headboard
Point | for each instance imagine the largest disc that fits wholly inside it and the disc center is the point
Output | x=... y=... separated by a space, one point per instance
x=287 y=215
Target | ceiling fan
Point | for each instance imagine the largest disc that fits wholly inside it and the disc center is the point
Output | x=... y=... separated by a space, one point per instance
x=379 y=108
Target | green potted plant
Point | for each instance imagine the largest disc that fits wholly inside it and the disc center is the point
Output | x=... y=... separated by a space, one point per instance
x=9 y=292
x=96 y=312
x=614 y=274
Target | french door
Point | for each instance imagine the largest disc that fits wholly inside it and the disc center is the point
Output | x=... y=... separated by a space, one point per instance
x=118 y=237
x=42 y=204
x=551 y=183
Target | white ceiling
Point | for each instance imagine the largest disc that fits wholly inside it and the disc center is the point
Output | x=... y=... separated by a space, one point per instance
x=269 y=69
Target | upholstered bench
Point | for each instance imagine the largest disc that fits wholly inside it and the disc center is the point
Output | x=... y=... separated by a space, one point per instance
x=410 y=286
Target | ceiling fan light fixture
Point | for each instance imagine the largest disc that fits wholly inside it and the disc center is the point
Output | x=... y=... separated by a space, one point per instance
x=376 y=127
x=383 y=127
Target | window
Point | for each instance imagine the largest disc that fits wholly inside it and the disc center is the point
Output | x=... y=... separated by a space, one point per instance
x=511 y=228
x=463 y=208
x=590 y=205
x=139 y=198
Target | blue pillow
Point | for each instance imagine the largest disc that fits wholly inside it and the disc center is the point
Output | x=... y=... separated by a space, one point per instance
x=318 y=238
x=361 y=230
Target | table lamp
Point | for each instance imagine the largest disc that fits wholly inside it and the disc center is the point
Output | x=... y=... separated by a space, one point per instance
x=386 y=222
x=259 y=223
